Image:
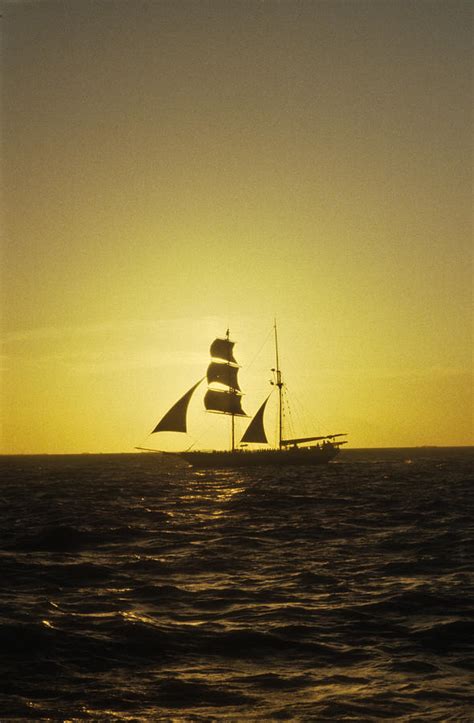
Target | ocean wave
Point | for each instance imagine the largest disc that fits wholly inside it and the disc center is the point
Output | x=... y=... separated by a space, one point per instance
x=169 y=594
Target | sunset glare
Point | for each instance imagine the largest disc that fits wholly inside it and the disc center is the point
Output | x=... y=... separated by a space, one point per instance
x=173 y=169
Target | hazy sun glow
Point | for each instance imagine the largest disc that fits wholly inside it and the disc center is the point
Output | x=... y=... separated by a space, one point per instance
x=172 y=169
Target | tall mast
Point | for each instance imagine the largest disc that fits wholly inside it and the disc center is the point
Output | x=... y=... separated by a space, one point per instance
x=232 y=418
x=279 y=384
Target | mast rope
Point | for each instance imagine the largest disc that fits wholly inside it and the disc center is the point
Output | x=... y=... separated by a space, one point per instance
x=265 y=341
x=305 y=421
x=288 y=412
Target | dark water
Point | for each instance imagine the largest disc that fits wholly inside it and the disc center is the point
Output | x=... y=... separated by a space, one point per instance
x=133 y=591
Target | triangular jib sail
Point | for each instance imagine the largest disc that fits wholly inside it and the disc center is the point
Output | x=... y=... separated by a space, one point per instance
x=175 y=419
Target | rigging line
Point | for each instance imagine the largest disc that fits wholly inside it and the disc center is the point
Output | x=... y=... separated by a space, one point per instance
x=198 y=439
x=302 y=420
x=288 y=412
x=265 y=341
x=291 y=418
x=206 y=426
x=307 y=422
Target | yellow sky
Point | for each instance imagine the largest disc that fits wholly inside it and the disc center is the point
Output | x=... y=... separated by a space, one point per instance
x=174 y=168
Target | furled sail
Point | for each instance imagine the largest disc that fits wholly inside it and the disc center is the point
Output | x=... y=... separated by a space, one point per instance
x=255 y=432
x=223 y=374
x=224 y=402
x=175 y=419
x=300 y=440
x=223 y=349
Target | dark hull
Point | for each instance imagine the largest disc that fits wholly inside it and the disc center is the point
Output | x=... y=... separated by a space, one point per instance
x=307 y=456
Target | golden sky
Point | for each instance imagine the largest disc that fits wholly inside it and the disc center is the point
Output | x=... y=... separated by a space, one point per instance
x=175 y=168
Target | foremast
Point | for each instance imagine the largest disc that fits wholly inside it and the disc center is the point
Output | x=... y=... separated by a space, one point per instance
x=223 y=395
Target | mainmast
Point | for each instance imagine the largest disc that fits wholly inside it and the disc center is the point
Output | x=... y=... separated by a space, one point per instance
x=279 y=384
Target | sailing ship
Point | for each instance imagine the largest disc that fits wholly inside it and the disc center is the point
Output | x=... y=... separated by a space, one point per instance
x=224 y=396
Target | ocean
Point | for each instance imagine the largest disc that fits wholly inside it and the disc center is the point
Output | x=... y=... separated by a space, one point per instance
x=133 y=589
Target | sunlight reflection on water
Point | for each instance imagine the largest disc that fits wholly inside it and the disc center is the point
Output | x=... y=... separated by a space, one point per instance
x=210 y=496
x=242 y=595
